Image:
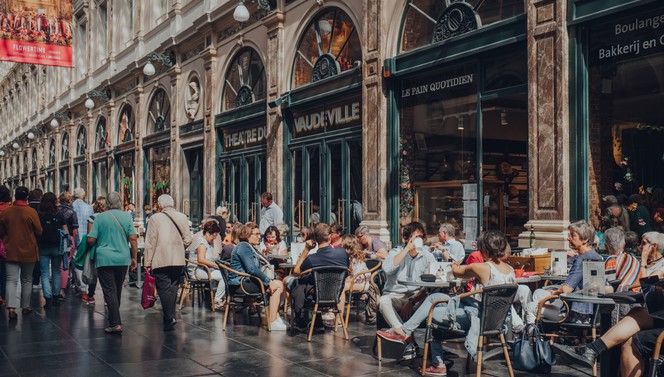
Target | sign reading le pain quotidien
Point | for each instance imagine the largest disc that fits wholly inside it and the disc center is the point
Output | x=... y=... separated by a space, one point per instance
x=327 y=118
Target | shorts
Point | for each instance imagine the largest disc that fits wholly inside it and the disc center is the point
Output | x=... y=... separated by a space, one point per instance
x=644 y=342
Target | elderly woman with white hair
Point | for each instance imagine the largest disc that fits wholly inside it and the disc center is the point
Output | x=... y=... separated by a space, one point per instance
x=112 y=232
x=165 y=241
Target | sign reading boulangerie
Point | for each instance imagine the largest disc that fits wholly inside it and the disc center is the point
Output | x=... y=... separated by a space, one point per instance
x=327 y=118
x=244 y=138
x=36 y=32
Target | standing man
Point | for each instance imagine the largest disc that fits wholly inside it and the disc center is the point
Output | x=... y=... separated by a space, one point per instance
x=82 y=209
x=165 y=241
x=34 y=200
x=448 y=247
x=271 y=214
x=65 y=211
x=19 y=228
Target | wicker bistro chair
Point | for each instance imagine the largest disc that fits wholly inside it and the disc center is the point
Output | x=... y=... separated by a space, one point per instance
x=328 y=287
x=367 y=284
x=496 y=303
x=193 y=286
x=655 y=361
x=244 y=298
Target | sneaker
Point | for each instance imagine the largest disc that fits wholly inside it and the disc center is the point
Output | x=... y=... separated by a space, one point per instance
x=278 y=325
x=393 y=336
x=88 y=300
x=581 y=355
x=435 y=370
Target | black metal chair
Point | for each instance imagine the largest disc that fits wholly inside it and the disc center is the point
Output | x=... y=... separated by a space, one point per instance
x=496 y=303
x=328 y=286
x=243 y=298
x=194 y=286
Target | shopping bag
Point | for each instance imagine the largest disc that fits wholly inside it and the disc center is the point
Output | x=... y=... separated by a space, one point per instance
x=89 y=270
x=148 y=297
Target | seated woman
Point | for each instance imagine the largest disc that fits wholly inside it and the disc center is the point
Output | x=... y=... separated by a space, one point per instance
x=494 y=271
x=246 y=259
x=202 y=252
x=272 y=242
x=638 y=319
x=336 y=235
x=580 y=238
x=358 y=263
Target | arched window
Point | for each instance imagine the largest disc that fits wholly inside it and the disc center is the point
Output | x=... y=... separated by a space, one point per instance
x=330 y=45
x=64 y=152
x=101 y=134
x=51 y=152
x=245 y=80
x=432 y=21
x=126 y=124
x=25 y=161
x=81 y=141
x=159 y=112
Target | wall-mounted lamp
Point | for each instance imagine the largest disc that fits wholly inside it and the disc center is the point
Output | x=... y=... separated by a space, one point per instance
x=15 y=145
x=62 y=116
x=503 y=118
x=164 y=59
x=241 y=13
x=324 y=27
x=31 y=135
x=104 y=95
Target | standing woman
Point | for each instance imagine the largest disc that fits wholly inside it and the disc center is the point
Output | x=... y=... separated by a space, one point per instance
x=112 y=232
x=19 y=228
x=5 y=201
x=167 y=236
x=50 y=259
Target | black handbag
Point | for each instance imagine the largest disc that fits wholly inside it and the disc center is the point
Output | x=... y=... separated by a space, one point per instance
x=532 y=353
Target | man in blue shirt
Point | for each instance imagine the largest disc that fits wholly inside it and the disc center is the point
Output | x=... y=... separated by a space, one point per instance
x=448 y=249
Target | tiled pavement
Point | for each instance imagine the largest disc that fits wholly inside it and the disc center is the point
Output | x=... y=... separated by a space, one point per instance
x=68 y=340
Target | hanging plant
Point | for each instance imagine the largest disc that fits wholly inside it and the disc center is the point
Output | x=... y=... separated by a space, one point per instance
x=406 y=163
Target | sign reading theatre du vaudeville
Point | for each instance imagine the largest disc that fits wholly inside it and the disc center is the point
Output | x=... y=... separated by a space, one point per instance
x=330 y=117
x=36 y=32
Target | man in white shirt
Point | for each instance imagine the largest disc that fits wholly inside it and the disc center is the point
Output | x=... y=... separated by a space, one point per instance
x=271 y=214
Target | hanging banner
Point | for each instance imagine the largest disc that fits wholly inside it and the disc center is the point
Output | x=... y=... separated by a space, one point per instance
x=36 y=32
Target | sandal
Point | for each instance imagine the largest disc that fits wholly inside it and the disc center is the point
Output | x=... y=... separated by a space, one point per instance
x=26 y=311
x=113 y=330
x=12 y=314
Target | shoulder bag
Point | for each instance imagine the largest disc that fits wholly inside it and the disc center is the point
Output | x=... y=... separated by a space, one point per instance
x=532 y=353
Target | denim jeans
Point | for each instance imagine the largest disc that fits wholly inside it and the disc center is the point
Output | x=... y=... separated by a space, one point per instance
x=50 y=268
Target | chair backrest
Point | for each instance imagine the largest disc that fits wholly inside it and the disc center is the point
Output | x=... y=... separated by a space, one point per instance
x=371 y=263
x=329 y=282
x=496 y=303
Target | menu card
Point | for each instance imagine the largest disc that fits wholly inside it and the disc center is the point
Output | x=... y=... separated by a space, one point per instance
x=594 y=281
x=558 y=263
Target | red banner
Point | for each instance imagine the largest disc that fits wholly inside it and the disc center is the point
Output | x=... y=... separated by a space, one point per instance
x=36 y=32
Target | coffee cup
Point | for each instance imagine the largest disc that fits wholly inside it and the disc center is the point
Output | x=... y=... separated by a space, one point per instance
x=418 y=243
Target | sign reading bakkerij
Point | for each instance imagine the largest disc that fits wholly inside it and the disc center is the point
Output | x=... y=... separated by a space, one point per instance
x=627 y=38
x=36 y=32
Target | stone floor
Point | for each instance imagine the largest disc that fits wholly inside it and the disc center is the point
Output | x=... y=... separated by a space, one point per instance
x=68 y=340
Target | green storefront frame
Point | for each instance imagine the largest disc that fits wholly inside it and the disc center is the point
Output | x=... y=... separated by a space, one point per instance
x=583 y=16
x=508 y=35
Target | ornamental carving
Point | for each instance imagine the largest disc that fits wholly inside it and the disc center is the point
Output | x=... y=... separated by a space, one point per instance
x=457 y=19
x=326 y=66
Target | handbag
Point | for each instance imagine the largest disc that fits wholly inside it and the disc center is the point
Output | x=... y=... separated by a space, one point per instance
x=3 y=250
x=532 y=353
x=89 y=270
x=148 y=297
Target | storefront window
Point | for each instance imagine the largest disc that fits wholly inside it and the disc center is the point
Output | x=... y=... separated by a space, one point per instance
x=160 y=172
x=34 y=159
x=51 y=152
x=330 y=45
x=127 y=178
x=626 y=122
x=101 y=134
x=81 y=175
x=64 y=153
x=100 y=178
x=245 y=80
x=81 y=142
x=126 y=125
x=159 y=112
x=432 y=21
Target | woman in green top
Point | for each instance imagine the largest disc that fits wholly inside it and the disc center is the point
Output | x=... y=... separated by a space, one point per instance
x=113 y=231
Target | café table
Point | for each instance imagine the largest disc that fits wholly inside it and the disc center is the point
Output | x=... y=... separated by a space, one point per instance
x=553 y=279
x=528 y=280
x=438 y=284
x=278 y=256
x=609 y=361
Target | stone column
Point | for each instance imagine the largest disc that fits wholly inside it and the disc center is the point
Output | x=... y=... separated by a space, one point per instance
x=176 y=152
x=275 y=77
x=210 y=158
x=548 y=124
x=374 y=124
x=139 y=157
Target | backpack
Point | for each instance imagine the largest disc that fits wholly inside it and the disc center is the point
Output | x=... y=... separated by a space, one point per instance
x=50 y=230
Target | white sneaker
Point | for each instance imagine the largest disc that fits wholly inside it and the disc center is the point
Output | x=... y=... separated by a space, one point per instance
x=278 y=325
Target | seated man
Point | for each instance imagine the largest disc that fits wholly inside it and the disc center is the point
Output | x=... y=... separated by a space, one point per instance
x=406 y=263
x=448 y=248
x=637 y=351
x=581 y=235
x=325 y=256
x=637 y=320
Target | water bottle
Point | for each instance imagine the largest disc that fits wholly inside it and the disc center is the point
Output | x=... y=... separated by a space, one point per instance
x=532 y=237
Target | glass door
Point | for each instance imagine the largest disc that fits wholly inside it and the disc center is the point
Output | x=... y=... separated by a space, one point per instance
x=196 y=184
x=243 y=182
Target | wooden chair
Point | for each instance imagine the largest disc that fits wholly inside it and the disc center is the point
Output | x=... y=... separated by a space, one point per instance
x=242 y=297
x=496 y=303
x=350 y=292
x=328 y=287
x=655 y=362
x=193 y=285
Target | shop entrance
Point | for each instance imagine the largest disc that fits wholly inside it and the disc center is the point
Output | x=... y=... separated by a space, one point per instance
x=326 y=181
x=243 y=181
x=194 y=159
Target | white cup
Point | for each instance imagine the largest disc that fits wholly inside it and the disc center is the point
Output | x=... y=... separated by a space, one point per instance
x=418 y=243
